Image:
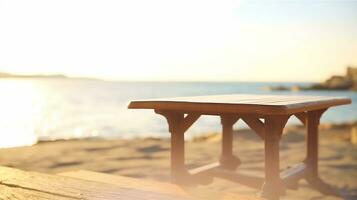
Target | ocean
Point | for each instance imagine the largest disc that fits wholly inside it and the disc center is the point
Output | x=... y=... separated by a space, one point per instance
x=49 y=109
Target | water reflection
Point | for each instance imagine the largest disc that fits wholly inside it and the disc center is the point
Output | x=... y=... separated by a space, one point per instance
x=50 y=109
x=21 y=109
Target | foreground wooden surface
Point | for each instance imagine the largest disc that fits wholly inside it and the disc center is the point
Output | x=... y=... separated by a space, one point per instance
x=160 y=187
x=126 y=182
x=18 y=184
x=149 y=158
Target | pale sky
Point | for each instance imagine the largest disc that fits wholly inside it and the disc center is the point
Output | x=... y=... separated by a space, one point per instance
x=186 y=40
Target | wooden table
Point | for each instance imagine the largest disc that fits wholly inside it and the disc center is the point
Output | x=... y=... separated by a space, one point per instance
x=267 y=115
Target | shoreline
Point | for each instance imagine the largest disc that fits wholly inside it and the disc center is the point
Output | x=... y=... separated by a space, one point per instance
x=323 y=126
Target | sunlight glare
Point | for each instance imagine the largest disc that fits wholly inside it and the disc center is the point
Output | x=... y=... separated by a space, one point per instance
x=20 y=109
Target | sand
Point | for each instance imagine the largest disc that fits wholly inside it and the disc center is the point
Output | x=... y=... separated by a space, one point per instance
x=149 y=158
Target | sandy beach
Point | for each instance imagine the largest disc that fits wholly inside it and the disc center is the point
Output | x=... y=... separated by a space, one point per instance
x=149 y=158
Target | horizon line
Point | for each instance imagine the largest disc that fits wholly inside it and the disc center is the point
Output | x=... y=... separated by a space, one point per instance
x=58 y=75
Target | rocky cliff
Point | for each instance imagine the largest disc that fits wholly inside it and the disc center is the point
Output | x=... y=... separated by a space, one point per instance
x=352 y=75
x=336 y=82
x=346 y=82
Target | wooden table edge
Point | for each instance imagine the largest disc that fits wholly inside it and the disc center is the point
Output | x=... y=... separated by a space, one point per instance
x=209 y=107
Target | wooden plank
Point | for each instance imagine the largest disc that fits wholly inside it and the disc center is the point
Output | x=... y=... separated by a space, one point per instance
x=244 y=104
x=204 y=194
x=250 y=99
x=127 y=182
x=228 y=160
x=247 y=180
x=255 y=124
x=176 y=121
x=69 y=188
x=302 y=117
x=196 y=193
x=188 y=121
x=204 y=169
x=17 y=193
x=273 y=186
x=292 y=175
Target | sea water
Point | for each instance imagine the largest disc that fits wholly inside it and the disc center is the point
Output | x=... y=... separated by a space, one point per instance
x=50 y=109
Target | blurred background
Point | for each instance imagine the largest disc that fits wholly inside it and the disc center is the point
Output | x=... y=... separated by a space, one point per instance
x=69 y=68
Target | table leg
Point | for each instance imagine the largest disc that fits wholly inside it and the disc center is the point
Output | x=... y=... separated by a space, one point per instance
x=228 y=160
x=312 y=177
x=312 y=143
x=178 y=125
x=273 y=186
x=178 y=169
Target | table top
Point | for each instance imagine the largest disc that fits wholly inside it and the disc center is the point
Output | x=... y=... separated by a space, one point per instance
x=241 y=103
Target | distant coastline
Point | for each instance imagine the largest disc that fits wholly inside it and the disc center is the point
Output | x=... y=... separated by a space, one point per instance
x=4 y=75
x=335 y=82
